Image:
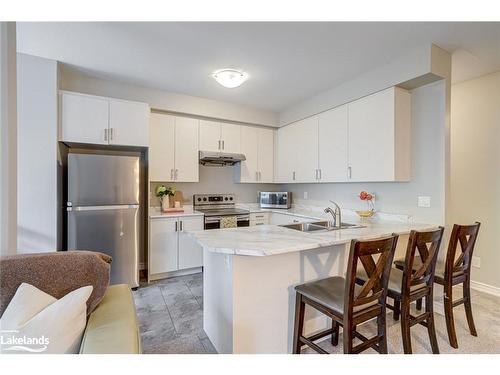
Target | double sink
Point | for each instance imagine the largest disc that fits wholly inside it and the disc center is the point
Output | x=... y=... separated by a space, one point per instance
x=321 y=226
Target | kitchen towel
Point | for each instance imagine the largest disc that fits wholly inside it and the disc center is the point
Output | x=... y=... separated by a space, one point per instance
x=228 y=222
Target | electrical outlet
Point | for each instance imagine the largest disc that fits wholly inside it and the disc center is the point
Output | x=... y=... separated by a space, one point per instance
x=305 y=195
x=424 y=202
x=476 y=262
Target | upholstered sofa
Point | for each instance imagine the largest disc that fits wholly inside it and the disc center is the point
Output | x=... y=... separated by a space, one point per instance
x=112 y=326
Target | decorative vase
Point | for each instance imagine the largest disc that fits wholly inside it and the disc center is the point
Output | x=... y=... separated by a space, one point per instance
x=165 y=203
x=370 y=210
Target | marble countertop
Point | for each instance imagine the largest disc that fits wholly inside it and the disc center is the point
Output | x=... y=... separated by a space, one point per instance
x=155 y=213
x=266 y=240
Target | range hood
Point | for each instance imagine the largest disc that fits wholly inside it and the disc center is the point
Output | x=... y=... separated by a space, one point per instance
x=220 y=159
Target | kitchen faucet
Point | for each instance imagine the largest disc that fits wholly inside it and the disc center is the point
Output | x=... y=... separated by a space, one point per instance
x=336 y=214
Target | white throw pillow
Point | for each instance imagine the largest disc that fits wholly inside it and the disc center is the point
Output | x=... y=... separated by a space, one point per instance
x=36 y=322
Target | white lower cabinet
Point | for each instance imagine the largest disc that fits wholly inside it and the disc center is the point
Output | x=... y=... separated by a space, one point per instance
x=170 y=249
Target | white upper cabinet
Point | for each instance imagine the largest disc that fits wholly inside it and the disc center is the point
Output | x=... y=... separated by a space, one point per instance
x=162 y=147
x=231 y=138
x=257 y=144
x=210 y=133
x=99 y=120
x=306 y=147
x=365 y=140
x=186 y=150
x=266 y=155
x=332 y=145
x=84 y=119
x=220 y=137
x=250 y=148
x=286 y=153
x=128 y=123
x=379 y=137
x=173 y=152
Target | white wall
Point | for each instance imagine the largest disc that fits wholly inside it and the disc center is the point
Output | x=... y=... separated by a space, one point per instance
x=475 y=168
x=215 y=180
x=75 y=81
x=8 y=128
x=38 y=206
x=427 y=167
x=424 y=64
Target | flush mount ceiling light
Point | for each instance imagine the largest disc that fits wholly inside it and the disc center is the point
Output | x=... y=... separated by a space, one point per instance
x=230 y=78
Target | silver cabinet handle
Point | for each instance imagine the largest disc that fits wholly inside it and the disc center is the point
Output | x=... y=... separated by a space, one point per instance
x=111 y=133
x=260 y=176
x=171 y=174
x=180 y=222
x=105 y=134
x=223 y=144
x=219 y=145
x=293 y=175
x=256 y=176
x=176 y=226
x=316 y=174
x=349 y=172
x=176 y=174
x=320 y=176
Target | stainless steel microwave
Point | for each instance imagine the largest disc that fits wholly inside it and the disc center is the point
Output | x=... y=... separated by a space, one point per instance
x=278 y=199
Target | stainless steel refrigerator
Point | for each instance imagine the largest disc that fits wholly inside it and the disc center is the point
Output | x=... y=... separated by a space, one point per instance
x=103 y=210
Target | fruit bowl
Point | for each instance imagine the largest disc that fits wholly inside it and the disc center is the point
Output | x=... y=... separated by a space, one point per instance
x=368 y=213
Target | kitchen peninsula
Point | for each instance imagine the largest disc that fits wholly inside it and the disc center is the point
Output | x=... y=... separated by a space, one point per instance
x=250 y=274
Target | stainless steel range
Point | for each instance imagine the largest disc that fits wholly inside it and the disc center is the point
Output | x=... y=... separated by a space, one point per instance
x=217 y=206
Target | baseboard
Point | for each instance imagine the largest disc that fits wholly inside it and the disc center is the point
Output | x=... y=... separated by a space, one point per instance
x=485 y=288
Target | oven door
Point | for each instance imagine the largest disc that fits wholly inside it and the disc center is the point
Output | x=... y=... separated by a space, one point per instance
x=213 y=222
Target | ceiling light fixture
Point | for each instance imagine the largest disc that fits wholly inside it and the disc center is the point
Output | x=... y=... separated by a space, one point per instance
x=230 y=78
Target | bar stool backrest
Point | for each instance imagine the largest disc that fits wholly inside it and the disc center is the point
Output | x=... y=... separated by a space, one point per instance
x=376 y=258
x=426 y=245
x=465 y=236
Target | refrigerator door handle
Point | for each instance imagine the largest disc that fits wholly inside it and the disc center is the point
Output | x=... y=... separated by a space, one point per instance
x=98 y=208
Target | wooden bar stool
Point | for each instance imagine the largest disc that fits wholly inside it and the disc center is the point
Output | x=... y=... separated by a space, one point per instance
x=348 y=304
x=414 y=283
x=455 y=270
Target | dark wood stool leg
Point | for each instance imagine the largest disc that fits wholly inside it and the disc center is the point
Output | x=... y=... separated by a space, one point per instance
x=397 y=309
x=468 y=308
x=448 y=314
x=299 y=323
x=347 y=337
x=382 y=334
x=429 y=308
x=405 y=325
x=335 y=333
x=419 y=304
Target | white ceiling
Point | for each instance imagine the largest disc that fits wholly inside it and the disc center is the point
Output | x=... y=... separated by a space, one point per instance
x=287 y=62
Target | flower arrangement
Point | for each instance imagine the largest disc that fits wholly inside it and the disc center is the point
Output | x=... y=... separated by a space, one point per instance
x=161 y=192
x=369 y=199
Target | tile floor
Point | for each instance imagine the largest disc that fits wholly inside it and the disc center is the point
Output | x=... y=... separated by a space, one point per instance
x=171 y=317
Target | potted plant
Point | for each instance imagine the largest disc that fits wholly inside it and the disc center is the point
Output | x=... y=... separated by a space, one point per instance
x=161 y=192
x=369 y=198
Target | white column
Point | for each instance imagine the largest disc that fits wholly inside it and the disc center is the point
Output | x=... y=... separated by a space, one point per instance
x=8 y=139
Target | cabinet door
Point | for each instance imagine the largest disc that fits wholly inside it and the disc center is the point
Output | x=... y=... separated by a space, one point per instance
x=266 y=155
x=163 y=255
x=371 y=137
x=190 y=253
x=306 y=148
x=162 y=147
x=210 y=136
x=249 y=148
x=286 y=154
x=186 y=150
x=128 y=123
x=231 y=138
x=332 y=140
x=84 y=119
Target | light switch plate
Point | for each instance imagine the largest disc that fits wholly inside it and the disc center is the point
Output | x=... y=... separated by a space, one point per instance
x=476 y=262
x=305 y=195
x=424 y=201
